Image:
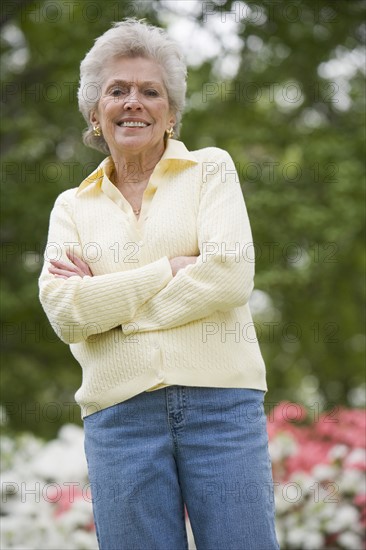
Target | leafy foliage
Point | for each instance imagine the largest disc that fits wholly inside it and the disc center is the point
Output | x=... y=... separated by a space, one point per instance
x=290 y=117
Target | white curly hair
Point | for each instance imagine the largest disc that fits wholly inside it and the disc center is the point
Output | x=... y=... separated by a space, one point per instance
x=131 y=38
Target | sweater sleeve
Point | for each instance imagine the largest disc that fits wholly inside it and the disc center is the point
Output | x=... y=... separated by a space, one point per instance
x=222 y=277
x=81 y=307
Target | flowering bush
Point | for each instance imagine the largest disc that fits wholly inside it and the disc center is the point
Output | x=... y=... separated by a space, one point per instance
x=40 y=509
x=319 y=477
x=318 y=469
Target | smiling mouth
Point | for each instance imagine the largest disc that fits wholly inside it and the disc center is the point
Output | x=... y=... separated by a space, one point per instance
x=132 y=124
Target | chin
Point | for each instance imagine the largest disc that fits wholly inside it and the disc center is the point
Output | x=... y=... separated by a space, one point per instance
x=132 y=141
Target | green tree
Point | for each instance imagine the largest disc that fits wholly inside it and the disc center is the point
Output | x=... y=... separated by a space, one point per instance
x=289 y=114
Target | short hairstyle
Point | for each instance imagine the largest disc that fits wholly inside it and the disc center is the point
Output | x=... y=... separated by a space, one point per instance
x=131 y=38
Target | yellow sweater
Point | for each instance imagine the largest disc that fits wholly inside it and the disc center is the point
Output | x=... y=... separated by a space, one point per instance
x=134 y=327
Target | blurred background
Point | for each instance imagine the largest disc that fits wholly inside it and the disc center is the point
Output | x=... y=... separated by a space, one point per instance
x=278 y=84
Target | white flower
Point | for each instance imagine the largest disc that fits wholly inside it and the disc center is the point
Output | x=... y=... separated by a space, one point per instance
x=324 y=472
x=344 y=518
x=351 y=481
x=304 y=482
x=71 y=434
x=338 y=452
x=191 y=541
x=297 y=537
x=63 y=459
x=314 y=540
x=281 y=446
x=325 y=511
x=350 y=540
x=307 y=506
x=85 y=540
x=356 y=456
x=282 y=504
x=34 y=471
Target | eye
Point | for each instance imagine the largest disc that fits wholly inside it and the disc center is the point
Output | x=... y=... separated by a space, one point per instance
x=151 y=92
x=118 y=91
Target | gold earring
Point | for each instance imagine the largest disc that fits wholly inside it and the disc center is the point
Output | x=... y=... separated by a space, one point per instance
x=97 y=131
x=170 y=132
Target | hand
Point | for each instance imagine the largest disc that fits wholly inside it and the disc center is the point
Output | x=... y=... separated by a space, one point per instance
x=180 y=262
x=63 y=270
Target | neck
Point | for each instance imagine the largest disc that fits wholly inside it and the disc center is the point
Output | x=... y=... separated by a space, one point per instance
x=133 y=169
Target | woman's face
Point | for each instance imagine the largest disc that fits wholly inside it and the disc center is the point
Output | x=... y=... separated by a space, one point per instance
x=133 y=111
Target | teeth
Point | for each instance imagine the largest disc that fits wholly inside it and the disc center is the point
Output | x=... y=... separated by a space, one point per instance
x=130 y=124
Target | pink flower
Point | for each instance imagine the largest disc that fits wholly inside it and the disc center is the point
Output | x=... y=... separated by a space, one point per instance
x=65 y=500
x=286 y=412
x=314 y=441
x=343 y=426
x=308 y=455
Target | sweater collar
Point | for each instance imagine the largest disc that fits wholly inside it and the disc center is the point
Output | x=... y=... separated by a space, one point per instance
x=175 y=152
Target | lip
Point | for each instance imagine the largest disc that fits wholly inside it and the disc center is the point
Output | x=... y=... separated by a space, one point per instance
x=120 y=122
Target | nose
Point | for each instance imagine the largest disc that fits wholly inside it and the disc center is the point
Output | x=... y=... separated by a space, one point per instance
x=132 y=103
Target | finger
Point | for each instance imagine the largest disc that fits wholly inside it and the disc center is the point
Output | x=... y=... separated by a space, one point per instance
x=83 y=266
x=64 y=272
x=63 y=265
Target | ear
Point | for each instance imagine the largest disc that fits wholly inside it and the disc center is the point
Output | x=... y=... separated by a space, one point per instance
x=94 y=118
x=172 y=120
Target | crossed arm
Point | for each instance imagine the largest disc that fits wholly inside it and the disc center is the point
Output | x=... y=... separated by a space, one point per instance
x=78 y=267
x=166 y=293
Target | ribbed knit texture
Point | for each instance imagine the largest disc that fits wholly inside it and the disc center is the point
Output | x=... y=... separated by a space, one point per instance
x=133 y=326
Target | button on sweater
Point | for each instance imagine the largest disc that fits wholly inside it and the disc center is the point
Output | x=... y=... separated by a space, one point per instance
x=132 y=326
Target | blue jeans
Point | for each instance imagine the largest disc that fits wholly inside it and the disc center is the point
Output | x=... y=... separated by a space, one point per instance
x=206 y=448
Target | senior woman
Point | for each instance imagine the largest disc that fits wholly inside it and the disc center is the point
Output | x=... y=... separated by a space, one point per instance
x=147 y=275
